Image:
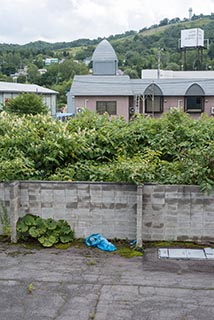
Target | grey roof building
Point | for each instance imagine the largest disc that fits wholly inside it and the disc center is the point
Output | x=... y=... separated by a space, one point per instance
x=105 y=91
x=10 y=90
x=20 y=87
x=91 y=85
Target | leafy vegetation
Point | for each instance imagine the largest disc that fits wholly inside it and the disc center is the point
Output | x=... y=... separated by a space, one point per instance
x=47 y=231
x=174 y=149
x=26 y=103
x=128 y=252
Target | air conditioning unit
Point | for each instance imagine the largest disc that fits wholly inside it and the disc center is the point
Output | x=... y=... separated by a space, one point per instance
x=131 y=110
x=212 y=110
x=79 y=110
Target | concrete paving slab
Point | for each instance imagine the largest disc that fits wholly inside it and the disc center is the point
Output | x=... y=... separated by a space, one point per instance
x=196 y=254
x=163 y=253
x=89 y=284
x=177 y=254
x=209 y=252
x=183 y=253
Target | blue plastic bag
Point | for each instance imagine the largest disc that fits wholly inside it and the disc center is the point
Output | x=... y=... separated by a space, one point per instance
x=97 y=240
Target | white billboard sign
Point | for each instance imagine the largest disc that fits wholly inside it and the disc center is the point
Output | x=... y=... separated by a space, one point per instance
x=192 y=38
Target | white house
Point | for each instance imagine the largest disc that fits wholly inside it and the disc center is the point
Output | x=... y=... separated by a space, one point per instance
x=10 y=90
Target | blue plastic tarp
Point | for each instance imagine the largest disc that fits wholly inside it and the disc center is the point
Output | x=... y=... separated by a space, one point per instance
x=97 y=240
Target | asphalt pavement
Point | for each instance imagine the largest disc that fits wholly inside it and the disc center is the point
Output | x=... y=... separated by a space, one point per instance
x=83 y=283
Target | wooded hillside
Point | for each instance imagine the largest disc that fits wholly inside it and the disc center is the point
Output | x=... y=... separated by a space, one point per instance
x=135 y=51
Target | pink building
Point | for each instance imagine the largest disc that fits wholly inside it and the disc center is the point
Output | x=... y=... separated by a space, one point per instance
x=118 y=95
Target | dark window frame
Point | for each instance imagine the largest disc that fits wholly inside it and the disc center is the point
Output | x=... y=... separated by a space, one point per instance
x=106 y=106
x=161 y=100
x=195 y=109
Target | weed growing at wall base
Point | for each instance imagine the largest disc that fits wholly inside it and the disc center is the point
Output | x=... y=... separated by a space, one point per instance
x=4 y=220
x=48 y=232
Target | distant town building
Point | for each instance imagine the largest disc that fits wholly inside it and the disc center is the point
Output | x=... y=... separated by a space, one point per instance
x=10 y=90
x=49 y=61
x=42 y=71
x=21 y=72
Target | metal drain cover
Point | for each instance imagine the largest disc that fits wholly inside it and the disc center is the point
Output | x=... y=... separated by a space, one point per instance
x=209 y=253
x=197 y=254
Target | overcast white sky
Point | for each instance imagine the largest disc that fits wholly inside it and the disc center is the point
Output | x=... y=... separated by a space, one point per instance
x=23 y=21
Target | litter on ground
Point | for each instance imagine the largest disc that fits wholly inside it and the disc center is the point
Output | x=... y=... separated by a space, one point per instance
x=97 y=240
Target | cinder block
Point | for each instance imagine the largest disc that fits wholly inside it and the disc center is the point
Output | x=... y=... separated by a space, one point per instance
x=146 y=236
x=35 y=204
x=196 y=232
x=172 y=188
x=47 y=213
x=171 y=196
x=191 y=188
x=108 y=187
x=148 y=189
x=183 y=238
x=71 y=205
x=170 y=237
x=157 y=237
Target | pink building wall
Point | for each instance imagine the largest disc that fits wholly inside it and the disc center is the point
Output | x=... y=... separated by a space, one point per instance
x=179 y=101
x=209 y=103
x=90 y=103
x=170 y=102
x=123 y=104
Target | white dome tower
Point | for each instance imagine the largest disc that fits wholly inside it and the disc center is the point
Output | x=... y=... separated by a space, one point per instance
x=104 y=59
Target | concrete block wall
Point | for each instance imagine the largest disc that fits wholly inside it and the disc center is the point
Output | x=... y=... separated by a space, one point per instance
x=106 y=208
x=4 y=201
x=14 y=208
x=123 y=211
x=177 y=213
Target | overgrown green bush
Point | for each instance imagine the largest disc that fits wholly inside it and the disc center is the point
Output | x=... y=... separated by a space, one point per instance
x=47 y=231
x=173 y=149
x=26 y=103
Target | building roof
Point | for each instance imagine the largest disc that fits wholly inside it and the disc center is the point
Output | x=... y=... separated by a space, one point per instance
x=173 y=87
x=20 y=87
x=92 y=85
x=104 y=52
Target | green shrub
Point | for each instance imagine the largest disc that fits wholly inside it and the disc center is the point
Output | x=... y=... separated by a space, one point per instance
x=173 y=149
x=26 y=103
x=48 y=232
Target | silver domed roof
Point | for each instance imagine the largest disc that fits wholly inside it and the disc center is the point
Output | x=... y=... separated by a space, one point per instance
x=104 y=52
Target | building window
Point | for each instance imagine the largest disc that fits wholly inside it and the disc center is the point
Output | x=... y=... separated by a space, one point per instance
x=194 y=104
x=106 y=106
x=153 y=105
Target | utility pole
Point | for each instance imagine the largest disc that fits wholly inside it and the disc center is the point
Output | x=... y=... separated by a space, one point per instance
x=159 y=61
x=153 y=100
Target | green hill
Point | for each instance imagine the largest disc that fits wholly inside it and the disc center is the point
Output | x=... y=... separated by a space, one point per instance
x=135 y=51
